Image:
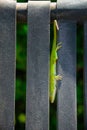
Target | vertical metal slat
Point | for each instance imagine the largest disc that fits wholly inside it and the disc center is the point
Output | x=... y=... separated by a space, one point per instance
x=7 y=63
x=66 y=104
x=37 y=102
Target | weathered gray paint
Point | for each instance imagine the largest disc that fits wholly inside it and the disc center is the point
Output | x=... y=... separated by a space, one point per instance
x=7 y=63
x=66 y=104
x=71 y=10
x=37 y=100
x=85 y=73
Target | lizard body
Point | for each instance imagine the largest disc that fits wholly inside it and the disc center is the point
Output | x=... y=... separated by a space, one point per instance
x=53 y=59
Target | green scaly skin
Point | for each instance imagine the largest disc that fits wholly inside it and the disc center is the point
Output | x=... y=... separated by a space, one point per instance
x=53 y=59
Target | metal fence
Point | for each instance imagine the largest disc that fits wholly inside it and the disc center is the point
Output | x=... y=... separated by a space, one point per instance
x=38 y=15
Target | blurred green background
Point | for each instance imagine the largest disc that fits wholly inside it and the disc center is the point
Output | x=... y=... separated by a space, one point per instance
x=21 y=48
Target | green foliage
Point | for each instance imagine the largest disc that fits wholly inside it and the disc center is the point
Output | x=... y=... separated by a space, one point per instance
x=21 y=49
x=21 y=46
x=22 y=118
x=22 y=0
x=80 y=89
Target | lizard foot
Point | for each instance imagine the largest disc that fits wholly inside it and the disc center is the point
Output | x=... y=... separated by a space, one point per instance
x=58 y=77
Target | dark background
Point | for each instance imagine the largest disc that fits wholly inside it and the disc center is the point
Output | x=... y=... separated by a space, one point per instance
x=20 y=103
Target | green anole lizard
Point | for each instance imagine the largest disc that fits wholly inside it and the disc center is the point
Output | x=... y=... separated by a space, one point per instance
x=53 y=59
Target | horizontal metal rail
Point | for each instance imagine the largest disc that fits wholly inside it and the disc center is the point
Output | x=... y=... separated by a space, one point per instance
x=64 y=11
x=21 y=9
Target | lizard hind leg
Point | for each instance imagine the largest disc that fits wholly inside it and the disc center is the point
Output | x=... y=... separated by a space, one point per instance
x=58 y=77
